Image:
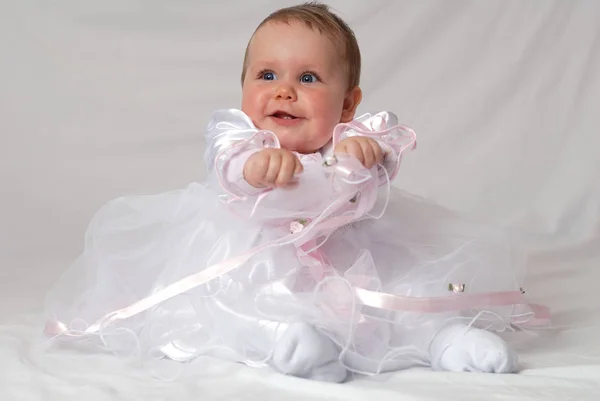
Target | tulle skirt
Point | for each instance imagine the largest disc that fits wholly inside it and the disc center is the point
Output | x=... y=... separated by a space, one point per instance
x=140 y=247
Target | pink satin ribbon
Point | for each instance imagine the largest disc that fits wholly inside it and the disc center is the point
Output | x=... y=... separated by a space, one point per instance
x=373 y=299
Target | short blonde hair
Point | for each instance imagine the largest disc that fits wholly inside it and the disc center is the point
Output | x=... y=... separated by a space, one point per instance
x=318 y=16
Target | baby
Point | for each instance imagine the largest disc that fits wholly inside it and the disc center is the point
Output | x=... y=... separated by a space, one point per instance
x=280 y=259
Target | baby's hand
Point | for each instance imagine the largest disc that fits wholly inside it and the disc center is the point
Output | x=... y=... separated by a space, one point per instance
x=271 y=168
x=365 y=149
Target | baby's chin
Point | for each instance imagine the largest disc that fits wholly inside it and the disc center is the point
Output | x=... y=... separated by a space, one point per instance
x=289 y=139
x=303 y=151
x=302 y=147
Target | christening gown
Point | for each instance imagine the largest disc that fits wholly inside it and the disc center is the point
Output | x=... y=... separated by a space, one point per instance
x=221 y=269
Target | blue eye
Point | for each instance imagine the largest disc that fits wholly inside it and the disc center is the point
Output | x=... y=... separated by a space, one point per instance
x=268 y=76
x=308 y=78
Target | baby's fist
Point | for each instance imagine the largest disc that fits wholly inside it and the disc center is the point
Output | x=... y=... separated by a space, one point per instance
x=365 y=149
x=271 y=168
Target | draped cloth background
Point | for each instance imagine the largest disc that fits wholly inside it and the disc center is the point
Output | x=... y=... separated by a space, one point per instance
x=108 y=98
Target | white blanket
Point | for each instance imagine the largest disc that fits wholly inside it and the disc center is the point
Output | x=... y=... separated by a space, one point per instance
x=107 y=98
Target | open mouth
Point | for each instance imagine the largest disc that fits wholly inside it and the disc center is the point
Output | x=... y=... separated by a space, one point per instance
x=283 y=115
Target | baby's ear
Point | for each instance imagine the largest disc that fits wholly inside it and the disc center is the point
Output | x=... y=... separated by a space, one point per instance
x=351 y=102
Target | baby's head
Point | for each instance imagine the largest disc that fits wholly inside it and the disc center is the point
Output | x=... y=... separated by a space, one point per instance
x=301 y=76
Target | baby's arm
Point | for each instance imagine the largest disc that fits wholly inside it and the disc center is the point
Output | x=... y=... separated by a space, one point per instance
x=231 y=140
x=271 y=168
x=382 y=129
x=367 y=150
x=255 y=170
x=235 y=172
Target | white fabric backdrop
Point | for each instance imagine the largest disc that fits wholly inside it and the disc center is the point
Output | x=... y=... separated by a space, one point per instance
x=100 y=99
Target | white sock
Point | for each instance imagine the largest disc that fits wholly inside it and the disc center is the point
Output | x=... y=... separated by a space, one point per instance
x=457 y=348
x=304 y=352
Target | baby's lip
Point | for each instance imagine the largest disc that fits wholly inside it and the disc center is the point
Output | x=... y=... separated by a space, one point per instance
x=283 y=114
x=285 y=119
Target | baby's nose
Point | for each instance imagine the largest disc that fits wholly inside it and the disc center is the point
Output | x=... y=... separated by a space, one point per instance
x=285 y=92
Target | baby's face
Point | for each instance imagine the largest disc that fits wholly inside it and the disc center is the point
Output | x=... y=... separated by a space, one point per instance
x=295 y=85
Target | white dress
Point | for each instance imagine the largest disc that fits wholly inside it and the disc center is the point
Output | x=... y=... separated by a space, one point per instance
x=220 y=268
